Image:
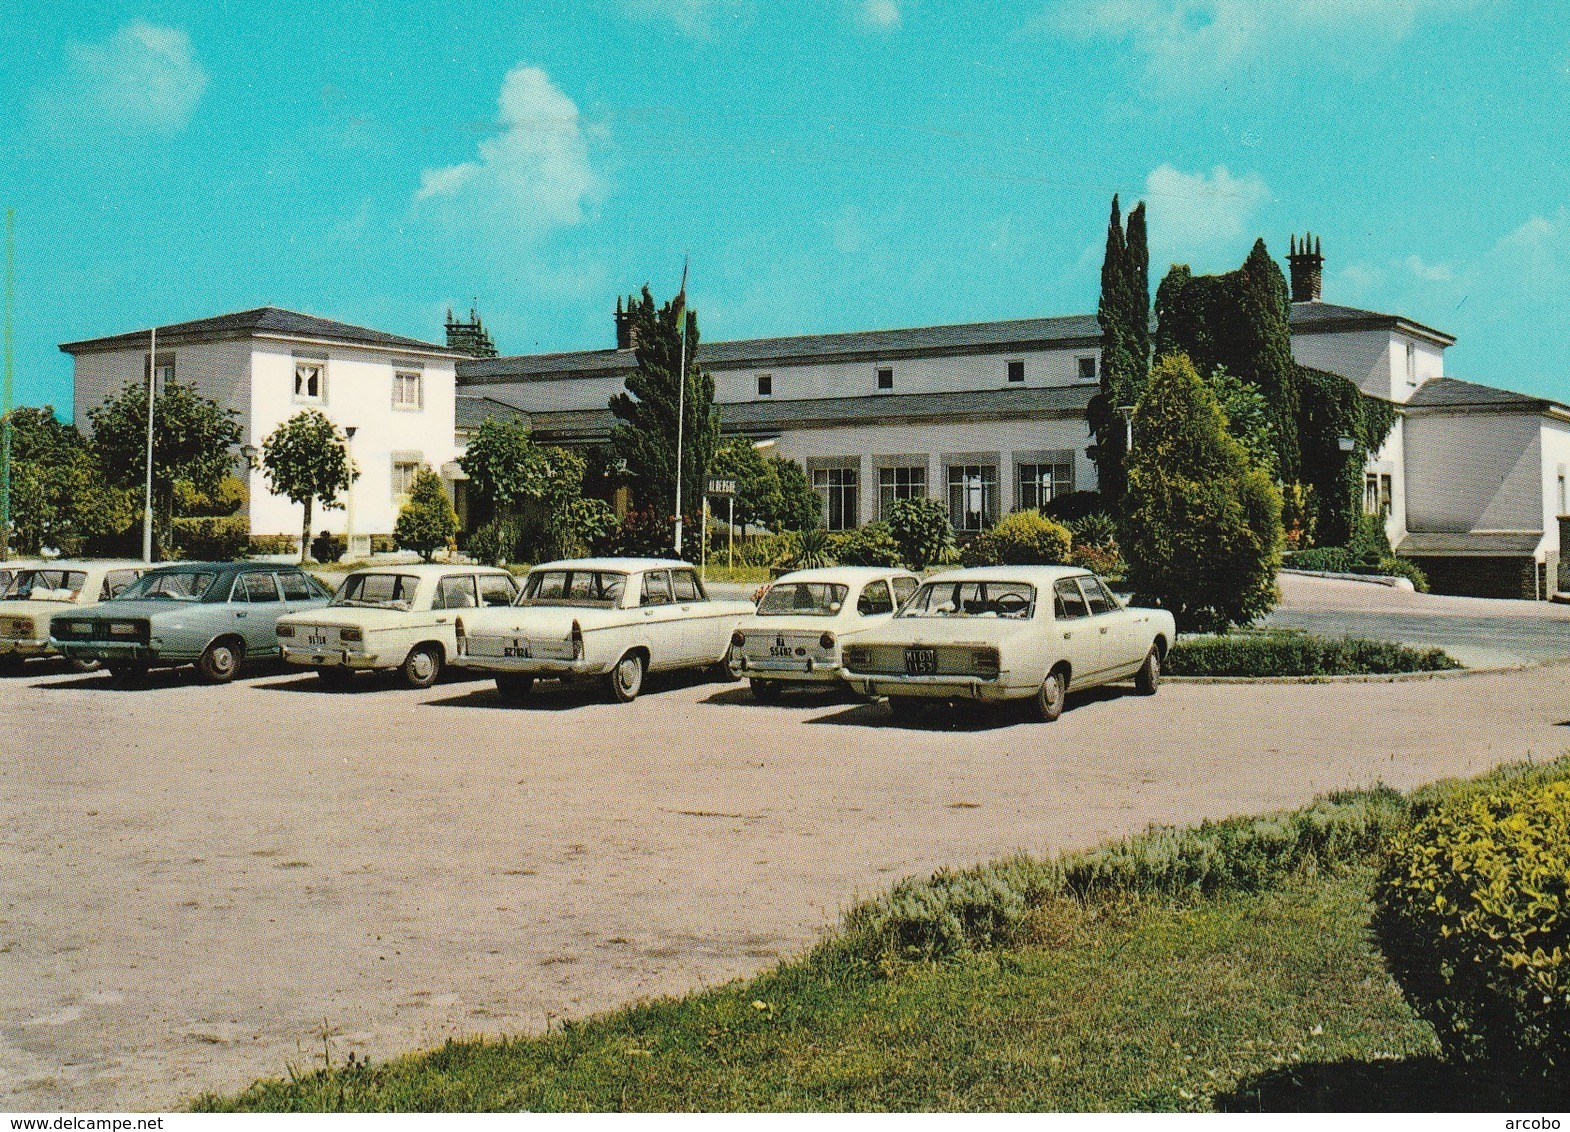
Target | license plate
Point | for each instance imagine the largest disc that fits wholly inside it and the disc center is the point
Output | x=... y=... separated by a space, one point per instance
x=779 y=650
x=517 y=652
x=921 y=662
x=82 y=628
x=317 y=640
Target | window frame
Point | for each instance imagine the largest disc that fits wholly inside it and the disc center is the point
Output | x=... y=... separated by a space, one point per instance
x=320 y=396
x=1058 y=600
x=409 y=460
x=1079 y=368
x=439 y=599
x=765 y=385
x=401 y=406
x=848 y=495
x=645 y=590
x=891 y=493
x=877 y=584
x=884 y=382
x=959 y=517
x=1034 y=483
x=1010 y=367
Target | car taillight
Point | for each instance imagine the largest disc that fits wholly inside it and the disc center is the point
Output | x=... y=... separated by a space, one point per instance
x=285 y=630
x=122 y=628
x=738 y=639
x=826 y=641
x=577 y=641
x=985 y=660
x=354 y=635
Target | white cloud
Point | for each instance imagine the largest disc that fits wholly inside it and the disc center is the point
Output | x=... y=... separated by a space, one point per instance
x=694 y=17
x=533 y=176
x=883 y=15
x=1198 y=43
x=1429 y=272
x=143 y=78
x=1196 y=211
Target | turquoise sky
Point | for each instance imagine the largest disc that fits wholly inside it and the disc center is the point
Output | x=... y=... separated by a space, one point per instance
x=840 y=165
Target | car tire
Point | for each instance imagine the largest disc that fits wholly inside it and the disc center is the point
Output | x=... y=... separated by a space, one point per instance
x=335 y=678
x=766 y=691
x=514 y=688
x=220 y=661
x=625 y=681
x=421 y=668
x=1051 y=695
x=1148 y=678
x=906 y=709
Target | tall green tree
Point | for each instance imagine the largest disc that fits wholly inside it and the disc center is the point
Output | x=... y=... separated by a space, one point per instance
x=306 y=460
x=645 y=435
x=1124 y=315
x=59 y=498
x=1201 y=526
x=530 y=495
x=426 y=522
x=771 y=491
x=194 y=441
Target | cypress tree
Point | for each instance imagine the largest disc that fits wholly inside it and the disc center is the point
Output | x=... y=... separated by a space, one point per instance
x=1124 y=315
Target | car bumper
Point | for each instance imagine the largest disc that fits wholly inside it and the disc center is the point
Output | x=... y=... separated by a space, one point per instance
x=987 y=688
x=109 y=652
x=333 y=658
x=13 y=646
x=531 y=665
x=794 y=669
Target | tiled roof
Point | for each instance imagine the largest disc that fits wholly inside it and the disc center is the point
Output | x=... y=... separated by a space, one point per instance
x=472 y=411
x=262 y=320
x=1477 y=543
x=1453 y=393
x=766 y=417
x=1316 y=316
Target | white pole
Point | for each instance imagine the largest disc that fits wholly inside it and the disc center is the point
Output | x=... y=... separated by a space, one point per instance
x=703 y=551
x=681 y=420
x=147 y=500
x=730 y=549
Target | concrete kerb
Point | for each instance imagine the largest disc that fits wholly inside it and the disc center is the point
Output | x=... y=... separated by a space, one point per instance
x=1370 y=678
x=1389 y=580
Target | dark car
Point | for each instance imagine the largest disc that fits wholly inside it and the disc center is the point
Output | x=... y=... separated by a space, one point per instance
x=214 y=615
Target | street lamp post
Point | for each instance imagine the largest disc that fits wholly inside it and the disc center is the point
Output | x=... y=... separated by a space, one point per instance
x=348 y=506
x=147 y=499
x=1128 y=427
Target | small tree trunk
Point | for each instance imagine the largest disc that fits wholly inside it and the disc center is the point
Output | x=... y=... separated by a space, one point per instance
x=305 y=534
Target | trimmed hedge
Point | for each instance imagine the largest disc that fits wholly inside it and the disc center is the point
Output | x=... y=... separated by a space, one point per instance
x=274 y=544
x=1287 y=653
x=220 y=538
x=1339 y=560
x=1473 y=915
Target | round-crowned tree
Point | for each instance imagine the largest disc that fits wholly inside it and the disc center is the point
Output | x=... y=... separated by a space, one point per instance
x=306 y=460
x=1202 y=521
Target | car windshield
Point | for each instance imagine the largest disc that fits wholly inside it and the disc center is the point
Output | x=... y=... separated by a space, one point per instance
x=596 y=588
x=46 y=585
x=378 y=591
x=803 y=599
x=168 y=585
x=972 y=599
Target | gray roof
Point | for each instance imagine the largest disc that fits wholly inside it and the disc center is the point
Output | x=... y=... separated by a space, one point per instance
x=261 y=321
x=472 y=411
x=1509 y=544
x=1453 y=393
x=766 y=417
x=1316 y=317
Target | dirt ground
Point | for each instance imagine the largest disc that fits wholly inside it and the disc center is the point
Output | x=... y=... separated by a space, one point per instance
x=199 y=882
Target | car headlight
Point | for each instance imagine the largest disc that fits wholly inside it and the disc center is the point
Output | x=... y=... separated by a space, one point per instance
x=738 y=639
x=826 y=641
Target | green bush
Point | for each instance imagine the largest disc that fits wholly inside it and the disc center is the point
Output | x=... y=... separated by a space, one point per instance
x=327 y=547
x=274 y=544
x=213 y=538
x=1286 y=653
x=495 y=543
x=812 y=550
x=1025 y=538
x=1473 y=915
x=426 y=522
x=1107 y=563
x=921 y=530
x=766 y=550
x=1072 y=506
x=872 y=545
x=1341 y=560
x=1098 y=530
x=957 y=911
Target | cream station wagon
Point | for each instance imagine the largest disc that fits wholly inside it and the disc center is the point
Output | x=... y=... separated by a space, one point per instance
x=1009 y=633
x=35 y=593
x=614 y=619
x=392 y=617
x=804 y=620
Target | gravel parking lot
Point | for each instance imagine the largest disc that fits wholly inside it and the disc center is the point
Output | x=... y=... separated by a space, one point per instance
x=200 y=881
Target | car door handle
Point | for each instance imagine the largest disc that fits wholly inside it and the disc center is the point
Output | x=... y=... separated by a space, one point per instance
x=441 y=620
x=648 y=613
x=241 y=616
x=1068 y=636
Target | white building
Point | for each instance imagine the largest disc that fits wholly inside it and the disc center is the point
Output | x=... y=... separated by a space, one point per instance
x=397 y=394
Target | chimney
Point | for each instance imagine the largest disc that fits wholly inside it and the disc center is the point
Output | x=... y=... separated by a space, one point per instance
x=626 y=335
x=1308 y=269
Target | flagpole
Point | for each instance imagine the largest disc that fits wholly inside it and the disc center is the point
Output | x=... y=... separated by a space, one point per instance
x=5 y=409
x=147 y=502
x=681 y=394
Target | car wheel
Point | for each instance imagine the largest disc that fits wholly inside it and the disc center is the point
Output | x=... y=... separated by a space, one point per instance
x=336 y=678
x=221 y=661
x=766 y=691
x=626 y=679
x=1148 y=679
x=514 y=688
x=906 y=709
x=1050 y=696
x=421 y=667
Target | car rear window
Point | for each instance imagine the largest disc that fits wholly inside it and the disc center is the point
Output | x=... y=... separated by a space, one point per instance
x=378 y=591
x=170 y=585
x=594 y=588
x=803 y=599
x=46 y=585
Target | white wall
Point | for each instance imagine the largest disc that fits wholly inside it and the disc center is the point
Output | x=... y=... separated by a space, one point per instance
x=934 y=442
x=1475 y=471
x=1374 y=359
x=1555 y=444
x=948 y=374
x=359 y=392
x=219 y=370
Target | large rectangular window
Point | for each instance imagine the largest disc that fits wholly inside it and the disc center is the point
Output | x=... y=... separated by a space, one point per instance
x=837 y=488
x=404 y=465
x=408 y=390
x=1038 y=484
x=973 y=496
x=895 y=484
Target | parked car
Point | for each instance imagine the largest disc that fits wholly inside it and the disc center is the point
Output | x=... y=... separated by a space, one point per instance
x=392 y=617
x=215 y=615
x=614 y=619
x=1009 y=633
x=35 y=593
x=805 y=618
x=10 y=567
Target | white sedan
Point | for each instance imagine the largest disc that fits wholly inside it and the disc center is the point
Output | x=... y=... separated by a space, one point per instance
x=35 y=593
x=392 y=617
x=1009 y=633
x=615 y=619
x=804 y=620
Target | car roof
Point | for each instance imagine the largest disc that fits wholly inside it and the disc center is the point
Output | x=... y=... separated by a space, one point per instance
x=1036 y=574
x=846 y=574
x=82 y=564
x=621 y=565
x=425 y=569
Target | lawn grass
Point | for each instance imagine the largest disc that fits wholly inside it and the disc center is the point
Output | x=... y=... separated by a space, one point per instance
x=1275 y=998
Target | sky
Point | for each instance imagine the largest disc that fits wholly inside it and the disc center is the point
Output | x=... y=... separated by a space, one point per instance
x=827 y=165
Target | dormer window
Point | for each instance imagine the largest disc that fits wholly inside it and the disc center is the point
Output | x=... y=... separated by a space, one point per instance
x=1087 y=368
x=1016 y=372
x=885 y=377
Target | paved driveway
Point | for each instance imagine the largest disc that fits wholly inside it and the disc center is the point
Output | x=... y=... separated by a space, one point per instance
x=198 y=880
